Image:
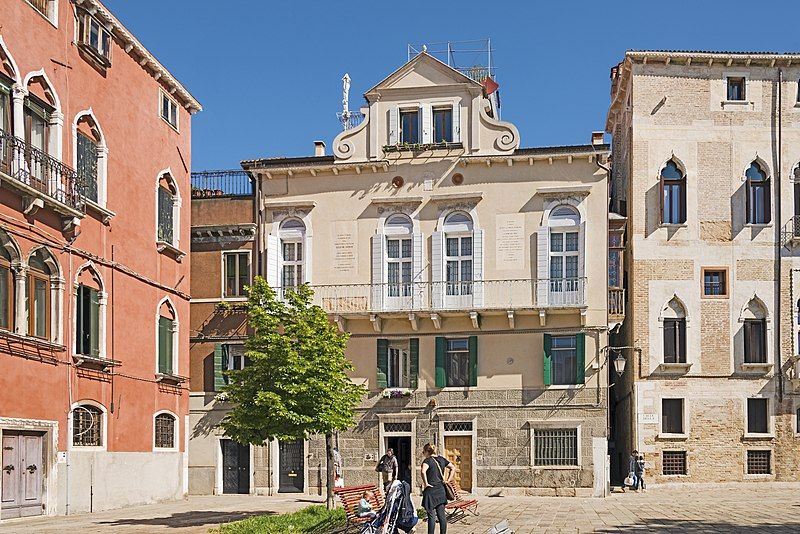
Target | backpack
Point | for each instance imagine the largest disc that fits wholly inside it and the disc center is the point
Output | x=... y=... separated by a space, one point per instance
x=383 y=465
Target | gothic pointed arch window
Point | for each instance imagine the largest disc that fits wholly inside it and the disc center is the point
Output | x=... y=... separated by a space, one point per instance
x=167 y=338
x=754 y=317
x=758 y=194
x=168 y=202
x=673 y=194
x=90 y=157
x=674 y=323
x=9 y=254
x=89 y=313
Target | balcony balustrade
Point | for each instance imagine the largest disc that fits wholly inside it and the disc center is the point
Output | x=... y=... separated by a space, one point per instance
x=37 y=174
x=616 y=302
x=449 y=296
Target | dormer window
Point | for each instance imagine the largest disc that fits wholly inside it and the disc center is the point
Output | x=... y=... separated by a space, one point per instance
x=443 y=125
x=95 y=39
x=409 y=126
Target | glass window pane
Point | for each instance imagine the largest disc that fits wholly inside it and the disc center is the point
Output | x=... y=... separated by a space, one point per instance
x=571 y=267
x=572 y=242
x=393 y=248
x=40 y=308
x=288 y=251
x=393 y=273
x=466 y=270
x=458 y=344
x=466 y=246
x=406 y=248
x=406 y=272
x=556 y=267
x=556 y=242
x=452 y=246
x=452 y=271
x=5 y=300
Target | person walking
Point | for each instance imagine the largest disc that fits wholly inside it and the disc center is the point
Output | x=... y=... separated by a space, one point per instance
x=436 y=471
x=640 y=473
x=388 y=468
x=632 y=463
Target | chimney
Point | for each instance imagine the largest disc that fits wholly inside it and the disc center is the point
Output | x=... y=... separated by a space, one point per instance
x=597 y=138
x=319 y=148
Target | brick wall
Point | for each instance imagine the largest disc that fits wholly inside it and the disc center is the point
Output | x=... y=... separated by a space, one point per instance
x=715 y=337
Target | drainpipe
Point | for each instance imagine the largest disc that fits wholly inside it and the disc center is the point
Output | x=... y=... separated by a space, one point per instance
x=778 y=219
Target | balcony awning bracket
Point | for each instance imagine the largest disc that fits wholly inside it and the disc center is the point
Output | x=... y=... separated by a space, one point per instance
x=476 y=320
x=437 y=321
x=412 y=318
x=542 y=317
x=583 y=317
x=510 y=314
x=341 y=322
x=30 y=205
x=376 y=322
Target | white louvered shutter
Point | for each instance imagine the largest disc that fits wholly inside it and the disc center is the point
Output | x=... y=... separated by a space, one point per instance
x=394 y=125
x=542 y=265
x=273 y=250
x=437 y=269
x=477 y=268
x=457 y=122
x=378 y=277
x=426 y=128
x=582 y=261
x=418 y=276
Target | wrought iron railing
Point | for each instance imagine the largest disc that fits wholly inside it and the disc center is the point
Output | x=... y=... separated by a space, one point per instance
x=616 y=301
x=221 y=184
x=790 y=232
x=444 y=296
x=351 y=119
x=36 y=169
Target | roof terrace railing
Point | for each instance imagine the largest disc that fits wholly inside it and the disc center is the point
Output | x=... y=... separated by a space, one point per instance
x=224 y=183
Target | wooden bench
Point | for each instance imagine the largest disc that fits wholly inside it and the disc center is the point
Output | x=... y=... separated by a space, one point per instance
x=350 y=495
x=460 y=507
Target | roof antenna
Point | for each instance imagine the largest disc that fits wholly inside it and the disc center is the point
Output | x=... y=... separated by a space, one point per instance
x=349 y=119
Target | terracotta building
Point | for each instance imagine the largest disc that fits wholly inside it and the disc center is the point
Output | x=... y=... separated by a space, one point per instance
x=457 y=260
x=705 y=167
x=95 y=158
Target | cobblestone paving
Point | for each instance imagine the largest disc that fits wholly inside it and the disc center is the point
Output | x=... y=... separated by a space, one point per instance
x=745 y=508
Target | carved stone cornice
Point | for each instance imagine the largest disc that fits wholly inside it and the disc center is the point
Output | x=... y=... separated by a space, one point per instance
x=224 y=233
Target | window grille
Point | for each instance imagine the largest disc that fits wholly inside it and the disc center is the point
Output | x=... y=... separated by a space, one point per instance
x=87 y=166
x=397 y=427
x=555 y=446
x=165 y=431
x=758 y=462
x=87 y=426
x=674 y=462
x=465 y=426
x=164 y=215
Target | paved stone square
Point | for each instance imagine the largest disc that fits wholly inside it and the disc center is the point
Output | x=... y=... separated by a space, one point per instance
x=744 y=508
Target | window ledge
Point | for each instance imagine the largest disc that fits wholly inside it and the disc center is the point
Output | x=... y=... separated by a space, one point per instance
x=565 y=386
x=102 y=61
x=557 y=467
x=79 y=448
x=756 y=437
x=169 y=124
x=397 y=393
x=758 y=225
x=105 y=214
x=168 y=248
x=703 y=296
x=797 y=104
x=45 y=17
x=762 y=368
x=95 y=362
x=736 y=103
x=171 y=379
x=672 y=437
x=673 y=225
x=675 y=368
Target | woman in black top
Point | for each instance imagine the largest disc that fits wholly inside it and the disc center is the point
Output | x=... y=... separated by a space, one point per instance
x=433 y=479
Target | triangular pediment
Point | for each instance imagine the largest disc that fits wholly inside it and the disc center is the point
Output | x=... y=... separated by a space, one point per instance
x=423 y=70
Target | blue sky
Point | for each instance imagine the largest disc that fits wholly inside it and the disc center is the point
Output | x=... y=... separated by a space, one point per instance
x=269 y=73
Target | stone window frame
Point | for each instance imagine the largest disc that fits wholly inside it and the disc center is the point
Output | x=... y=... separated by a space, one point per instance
x=224 y=273
x=52 y=12
x=686 y=459
x=726 y=270
x=684 y=420
x=771 y=473
x=738 y=348
x=731 y=105
x=770 y=434
x=664 y=315
x=551 y=424
x=796 y=419
x=175 y=432
x=103 y=429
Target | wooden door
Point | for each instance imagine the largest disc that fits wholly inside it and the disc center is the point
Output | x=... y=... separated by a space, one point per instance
x=292 y=466
x=235 y=467
x=22 y=474
x=458 y=449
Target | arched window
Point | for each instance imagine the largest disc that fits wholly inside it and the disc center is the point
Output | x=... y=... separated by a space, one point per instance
x=673 y=194
x=168 y=202
x=674 y=322
x=9 y=84
x=42 y=133
x=292 y=240
x=90 y=157
x=754 y=317
x=167 y=332
x=88 y=425
x=565 y=249
x=458 y=252
x=40 y=274
x=89 y=314
x=758 y=195
x=399 y=256
x=164 y=426
x=8 y=254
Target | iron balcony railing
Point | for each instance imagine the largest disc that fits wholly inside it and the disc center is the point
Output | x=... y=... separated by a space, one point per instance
x=36 y=169
x=616 y=301
x=351 y=119
x=449 y=296
x=790 y=232
x=221 y=184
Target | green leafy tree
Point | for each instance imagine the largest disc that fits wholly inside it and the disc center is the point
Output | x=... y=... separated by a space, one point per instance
x=296 y=383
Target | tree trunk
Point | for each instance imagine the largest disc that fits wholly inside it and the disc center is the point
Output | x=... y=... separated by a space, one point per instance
x=329 y=471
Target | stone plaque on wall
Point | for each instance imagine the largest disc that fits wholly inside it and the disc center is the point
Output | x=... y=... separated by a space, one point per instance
x=510 y=242
x=344 y=239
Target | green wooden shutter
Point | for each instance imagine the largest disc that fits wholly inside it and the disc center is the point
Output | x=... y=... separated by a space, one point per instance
x=473 y=360
x=441 y=368
x=413 y=345
x=79 y=326
x=165 y=345
x=580 y=345
x=94 y=323
x=219 y=366
x=383 y=363
x=546 y=344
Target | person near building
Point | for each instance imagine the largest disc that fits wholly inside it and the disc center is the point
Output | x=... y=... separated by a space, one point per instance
x=434 y=497
x=640 y=473
x=364 y=505
x=388 y=468
x=632 y=463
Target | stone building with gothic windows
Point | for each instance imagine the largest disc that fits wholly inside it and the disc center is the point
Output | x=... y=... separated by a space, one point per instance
x=471 y=276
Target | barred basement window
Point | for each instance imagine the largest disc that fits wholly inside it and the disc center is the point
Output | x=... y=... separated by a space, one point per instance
x=458 y=426
x=555 y=446
x=674 y=462
x=758 y=462
x=165 y=431
x=87 y=426
x=397 y=427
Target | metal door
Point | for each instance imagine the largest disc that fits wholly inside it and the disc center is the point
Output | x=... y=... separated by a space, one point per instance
x=458 y=449
x=22 y=474
x=235 y=467
x=292 y=464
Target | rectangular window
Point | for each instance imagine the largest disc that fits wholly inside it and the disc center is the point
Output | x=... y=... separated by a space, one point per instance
x=673 y=462
x=564 y=363
x=237 y=273
x=458 y=363
x=95 y=38
x=675 y=340
x=398 y=267
x=87 y=337
x=755 y=341
x=674 y=200
x=759 y=462
x=758 y=200
x=292 y=263
x=398 y=371
x=443 y=125
x=409 y=126
x=87 y=166
x=757 y=416
x=169 y=110
x=672 y=416
x=563 y=261
x=165 y=354
x=736 y=88
x=555 y=446
x=235 y=359
x=715 y=283
x=458 y=265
